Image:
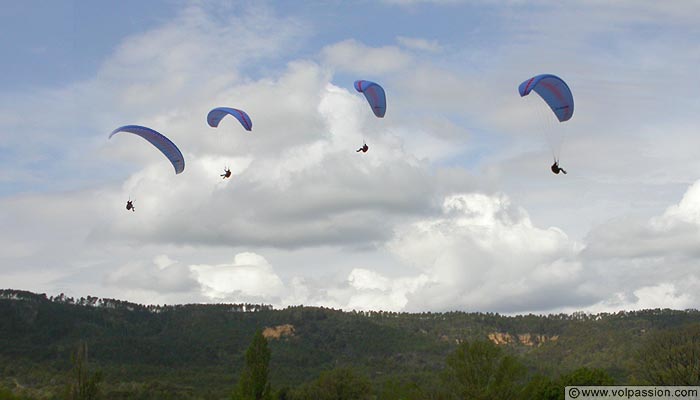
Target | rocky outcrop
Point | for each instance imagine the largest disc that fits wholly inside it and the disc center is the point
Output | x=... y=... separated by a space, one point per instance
x=279 y=331
x=500 y=338
x=525 y=339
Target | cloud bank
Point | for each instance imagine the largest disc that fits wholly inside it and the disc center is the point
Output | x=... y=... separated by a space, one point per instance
x=452 y=208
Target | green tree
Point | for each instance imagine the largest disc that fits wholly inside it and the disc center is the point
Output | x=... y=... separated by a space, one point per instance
x=543 y=388
x=671 y=357
x=82 y=385
x=393 y=389
x=336 y=384
x=253 y=383
x=585 y=377
x=482 y=371
x=6 y=394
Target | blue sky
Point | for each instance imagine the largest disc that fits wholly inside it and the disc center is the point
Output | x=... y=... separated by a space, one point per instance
x=56 y=43
x=453 y=207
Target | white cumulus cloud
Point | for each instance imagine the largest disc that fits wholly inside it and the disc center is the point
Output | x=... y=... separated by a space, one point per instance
x=485 y=253
x=249 y=276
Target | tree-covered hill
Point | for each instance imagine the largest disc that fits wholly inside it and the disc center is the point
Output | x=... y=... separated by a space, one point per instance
x=199 y=349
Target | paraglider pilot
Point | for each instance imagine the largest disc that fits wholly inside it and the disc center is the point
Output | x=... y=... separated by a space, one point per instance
x=227 y=173
x=363 y=149
x=130 y=205
x=556 y=168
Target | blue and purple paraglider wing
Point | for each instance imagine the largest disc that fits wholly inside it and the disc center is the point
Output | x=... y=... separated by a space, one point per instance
x=375 y=96
x=161 y=142
x=554 y=91
x=216 y=115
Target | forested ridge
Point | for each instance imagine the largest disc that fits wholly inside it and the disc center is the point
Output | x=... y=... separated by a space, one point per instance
x=199 y=350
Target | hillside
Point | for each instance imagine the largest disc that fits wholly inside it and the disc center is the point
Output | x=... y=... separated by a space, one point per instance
x=199 y=349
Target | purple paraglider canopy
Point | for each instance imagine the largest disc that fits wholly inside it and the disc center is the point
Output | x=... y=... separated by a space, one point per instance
x=375 y=96
x=161 y=142
x=216 y=115
x=554 y=91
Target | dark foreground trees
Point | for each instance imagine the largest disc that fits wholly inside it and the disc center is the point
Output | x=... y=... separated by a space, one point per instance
x=542 y=387
x=6 y=394
x=482 y=371
x=253 y=383
x=82 y=384
x=336 y=384
x=671 y=357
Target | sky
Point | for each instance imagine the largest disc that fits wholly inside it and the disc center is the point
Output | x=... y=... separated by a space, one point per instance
x=454 y=206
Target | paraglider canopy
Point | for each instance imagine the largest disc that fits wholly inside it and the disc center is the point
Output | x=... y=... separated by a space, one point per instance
x=216 y=115
x=554 y=91
x=375 y=96
x=161 y=142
